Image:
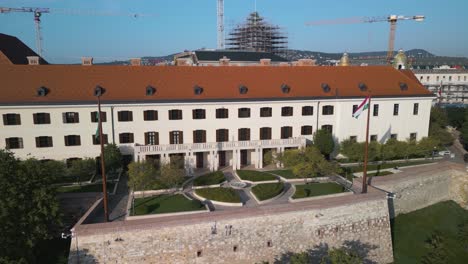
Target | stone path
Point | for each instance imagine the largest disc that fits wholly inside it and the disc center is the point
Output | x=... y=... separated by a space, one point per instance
x=245 y=195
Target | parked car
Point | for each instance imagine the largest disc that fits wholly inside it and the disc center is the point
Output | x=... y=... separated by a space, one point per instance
x=445 y=153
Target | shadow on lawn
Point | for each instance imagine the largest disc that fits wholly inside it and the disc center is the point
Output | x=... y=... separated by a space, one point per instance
x=316 y=254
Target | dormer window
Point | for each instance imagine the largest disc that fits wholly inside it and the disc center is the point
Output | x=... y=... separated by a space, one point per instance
x=42 y=91
x=325 y=87
x=150 y=90
x=243 y=89
x=362 y=87
x=285 y=88
x=197 y=90
x=403 y=86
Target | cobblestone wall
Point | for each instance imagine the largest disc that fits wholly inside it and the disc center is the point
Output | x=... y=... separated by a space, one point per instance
x=363 y=225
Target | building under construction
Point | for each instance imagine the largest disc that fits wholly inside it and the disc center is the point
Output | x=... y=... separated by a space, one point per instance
x=257 y=35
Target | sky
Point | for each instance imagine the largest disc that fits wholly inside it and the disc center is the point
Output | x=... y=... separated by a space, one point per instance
x=108 y=30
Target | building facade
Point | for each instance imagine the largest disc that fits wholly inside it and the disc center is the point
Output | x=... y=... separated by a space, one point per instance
x=211 y=116
x=450 y=85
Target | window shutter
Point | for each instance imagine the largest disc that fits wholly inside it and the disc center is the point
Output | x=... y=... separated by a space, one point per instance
x=35 y=118
x=37 y=141
x=181 y=137
x=5 y=119
x=171 y=137
x=145 y=115
x=49 y=141
x=204 y=136
x=78 y=140
x=47 y=118
x=146 y=136
x=130 y=136
x=77 y=117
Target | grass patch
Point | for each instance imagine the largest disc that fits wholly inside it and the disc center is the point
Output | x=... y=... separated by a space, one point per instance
x=317 y=189
x=385 y=166
x=86 y=188
x=379 y=173
x=288 y=174
x=412 y=230
x=267 y=190
x=255 y=176
x=212 y=178
x=166 y=204
x=226 y=195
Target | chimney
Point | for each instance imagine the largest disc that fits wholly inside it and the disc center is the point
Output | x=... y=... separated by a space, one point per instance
x=224 y=61
x=87 y=61
x=283 y=64
x=265 y=62
x=33 y=60
x=135 y=61
x=306 y=62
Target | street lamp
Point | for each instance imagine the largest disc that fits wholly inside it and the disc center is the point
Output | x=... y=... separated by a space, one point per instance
x=98 y=92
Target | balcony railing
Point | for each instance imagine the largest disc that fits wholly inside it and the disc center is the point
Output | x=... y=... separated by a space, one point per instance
x=210 y=146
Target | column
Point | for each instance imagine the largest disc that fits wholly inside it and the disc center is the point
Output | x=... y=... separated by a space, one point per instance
x=188 y=163
x=215 y=160
x=237 y=159
x=260 y=158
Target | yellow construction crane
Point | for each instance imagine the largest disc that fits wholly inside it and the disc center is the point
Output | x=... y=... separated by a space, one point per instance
x=392 y=19
x=38 y=11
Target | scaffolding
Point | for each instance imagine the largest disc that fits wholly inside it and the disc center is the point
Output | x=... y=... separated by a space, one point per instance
x=257 y=35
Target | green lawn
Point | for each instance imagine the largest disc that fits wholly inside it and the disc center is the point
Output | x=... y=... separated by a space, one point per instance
x=317 y=189
x=166 y=204
x=216 y=177
x=86 y=188
x=255 y=176
x=288 y=174
x=386 y=166
x=267 y=190
x=227 y=195
x=379 y=173
x=411 y=231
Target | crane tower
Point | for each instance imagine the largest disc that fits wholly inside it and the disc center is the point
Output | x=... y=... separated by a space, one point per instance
x=220 y=24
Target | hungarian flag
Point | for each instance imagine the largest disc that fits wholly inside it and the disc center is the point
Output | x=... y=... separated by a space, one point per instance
x=363 y=106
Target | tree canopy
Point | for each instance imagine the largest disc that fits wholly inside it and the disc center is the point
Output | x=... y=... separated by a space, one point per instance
x=323 y=140
x=112 y=157
x=29 y=211
x=308 y=162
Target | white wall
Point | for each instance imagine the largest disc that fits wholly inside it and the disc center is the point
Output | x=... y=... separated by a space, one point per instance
x=344 y=125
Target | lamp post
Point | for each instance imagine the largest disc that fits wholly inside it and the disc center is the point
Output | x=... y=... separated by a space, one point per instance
x=98 y=92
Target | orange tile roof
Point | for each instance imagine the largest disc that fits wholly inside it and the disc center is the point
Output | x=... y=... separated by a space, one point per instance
x=75 y=83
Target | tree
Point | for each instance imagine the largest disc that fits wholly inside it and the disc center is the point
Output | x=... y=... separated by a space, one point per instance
x=437 y=126
x=439 y=117
x=82 y=169
x=341 y=256
x=323 y=140
x=268 y=158
x=112 y=157
x=308 y=162
x=141 y=175
x=56 y=169
x=356 y=151
x=171 y=175
x=29 y=211
x=300 y=258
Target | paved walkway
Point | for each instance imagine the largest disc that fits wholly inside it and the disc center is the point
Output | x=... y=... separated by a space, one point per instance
x=245 y=194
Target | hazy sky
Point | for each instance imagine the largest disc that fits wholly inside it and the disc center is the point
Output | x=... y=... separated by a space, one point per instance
x=176 y=25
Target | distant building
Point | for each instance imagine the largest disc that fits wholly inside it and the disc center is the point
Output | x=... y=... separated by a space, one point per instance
x=448 y=84
x=226 y=57
x=14 y=51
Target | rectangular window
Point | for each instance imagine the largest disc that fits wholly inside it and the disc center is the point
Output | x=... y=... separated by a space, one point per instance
x=125 y=138
x=244 y=134
x=175 y=114
x=14 y=143
x=11 y=119
x=94 y=117
x=244 y=112
x=376 y=110
x=353 y=138
x=306 y=130
x=152 y=138
x=72 y=140
x=286 y=132
x=96 y=140
x=265 y=112
x=222 y=135
x=373 y=138
x=415 y=108
x=176 y=137
x=222 y=113
x=44 y=142
x=125 y=116
x=328 y=128
x=396 y=109
x=41 y=118
x=307 y=110
x=413 y=136
x=327 y=110
x=198 y=113
x=394 y=136
x=286 y=111
x=265 y=133
x=71 y=117
x=199 y=136
x=354 y=109
x=150 y=115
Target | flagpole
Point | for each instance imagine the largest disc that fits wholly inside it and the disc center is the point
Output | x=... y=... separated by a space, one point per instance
x=366 y=150
x=103 y=167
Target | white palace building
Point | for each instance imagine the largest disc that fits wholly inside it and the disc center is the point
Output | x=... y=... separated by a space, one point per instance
x=213 y=116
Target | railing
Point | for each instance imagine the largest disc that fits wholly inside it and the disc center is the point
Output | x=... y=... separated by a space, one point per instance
x=230 y=145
